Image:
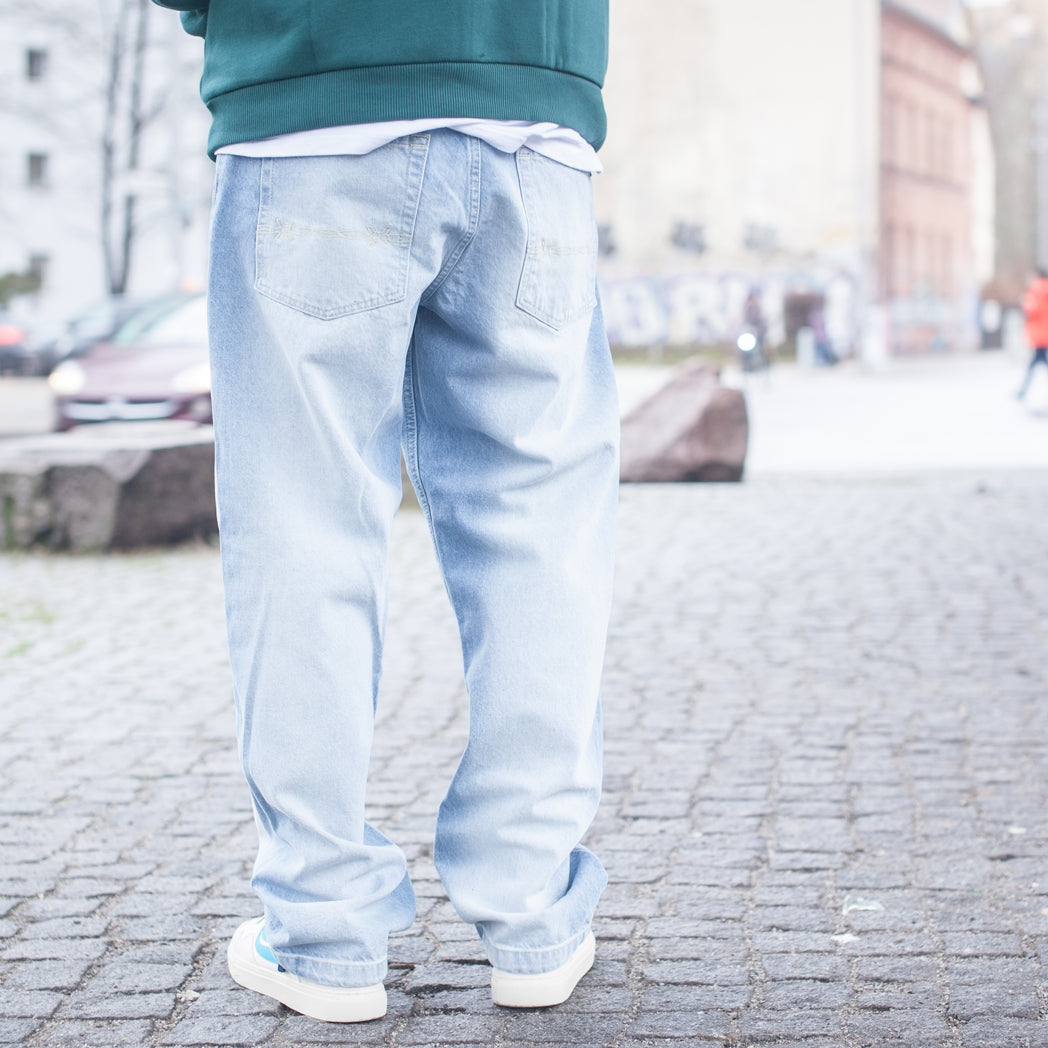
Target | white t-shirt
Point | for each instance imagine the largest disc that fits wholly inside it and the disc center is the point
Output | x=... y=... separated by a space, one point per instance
x=558 y=143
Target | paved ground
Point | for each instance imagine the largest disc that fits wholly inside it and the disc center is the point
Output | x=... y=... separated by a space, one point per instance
x=922 y=414
x=827 y=768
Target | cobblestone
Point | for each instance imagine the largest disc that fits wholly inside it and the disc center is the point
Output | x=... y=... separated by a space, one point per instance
x=825 y=806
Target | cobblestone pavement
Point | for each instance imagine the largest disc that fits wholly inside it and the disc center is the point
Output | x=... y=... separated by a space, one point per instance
x=825 y=814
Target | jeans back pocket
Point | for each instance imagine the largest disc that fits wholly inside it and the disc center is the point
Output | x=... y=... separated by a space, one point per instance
x=559 y=281
x=334 y=232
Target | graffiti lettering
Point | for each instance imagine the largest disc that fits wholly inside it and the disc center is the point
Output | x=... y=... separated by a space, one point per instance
x=706 y=309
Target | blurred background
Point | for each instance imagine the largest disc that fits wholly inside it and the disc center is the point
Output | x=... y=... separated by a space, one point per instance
x=869 y=174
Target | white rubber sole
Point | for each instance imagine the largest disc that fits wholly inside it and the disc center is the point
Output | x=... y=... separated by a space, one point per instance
x=332 y=1004
x=545 y=989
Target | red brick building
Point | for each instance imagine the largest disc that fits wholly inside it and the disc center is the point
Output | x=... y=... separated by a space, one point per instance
x=832 y=153
x=925 y=264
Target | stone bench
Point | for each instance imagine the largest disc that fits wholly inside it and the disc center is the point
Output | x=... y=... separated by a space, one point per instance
x=121 y=485
x=692 y=429
x=110 y=486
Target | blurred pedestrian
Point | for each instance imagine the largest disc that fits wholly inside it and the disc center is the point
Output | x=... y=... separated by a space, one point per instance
x=403 y=256
x=824 y=353
x=1035 y=309
x=754 y=330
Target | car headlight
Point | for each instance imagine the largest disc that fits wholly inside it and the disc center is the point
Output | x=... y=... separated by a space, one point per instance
x=68 y=378
x=196 y=379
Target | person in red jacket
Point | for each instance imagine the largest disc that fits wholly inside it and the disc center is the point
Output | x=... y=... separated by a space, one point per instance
x=1035 y=307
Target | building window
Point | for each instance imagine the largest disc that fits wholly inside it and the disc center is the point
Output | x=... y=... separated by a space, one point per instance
x=892 y=130
x=606 y=240
x=689 y=236
x=931 y=145
x=37 y=270
x=891 y=263
x=35 y=64
x=908 y=269
x=906 y=135
x=36 y=169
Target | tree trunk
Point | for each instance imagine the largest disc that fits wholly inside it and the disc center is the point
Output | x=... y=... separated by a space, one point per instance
x=122 y=130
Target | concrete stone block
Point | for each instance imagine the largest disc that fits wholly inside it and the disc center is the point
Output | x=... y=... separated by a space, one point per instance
x=108 y=487
x=692 y=429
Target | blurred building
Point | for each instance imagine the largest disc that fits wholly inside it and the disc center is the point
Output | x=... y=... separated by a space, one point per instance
x=927 y=267
x=103 y=181
x=1011 y=41
x=834 y=159
x=832 y=156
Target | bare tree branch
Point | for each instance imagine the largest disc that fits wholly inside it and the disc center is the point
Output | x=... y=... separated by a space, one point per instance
x=108 y=143
x=101 y=98
x=134 y=144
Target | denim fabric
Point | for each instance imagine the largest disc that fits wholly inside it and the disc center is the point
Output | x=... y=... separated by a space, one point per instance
x=435 y=295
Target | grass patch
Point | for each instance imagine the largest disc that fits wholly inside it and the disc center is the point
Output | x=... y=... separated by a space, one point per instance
x=38 y=613
x=718 y=356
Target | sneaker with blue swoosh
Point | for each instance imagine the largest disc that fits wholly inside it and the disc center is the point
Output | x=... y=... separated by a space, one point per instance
x=254 y=966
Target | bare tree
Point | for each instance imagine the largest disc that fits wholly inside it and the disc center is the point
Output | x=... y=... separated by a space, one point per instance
x=101 y=103
x=124 y=122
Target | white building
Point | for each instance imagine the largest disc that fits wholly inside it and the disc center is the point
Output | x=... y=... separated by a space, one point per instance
x=746 y=151
x=74 y=79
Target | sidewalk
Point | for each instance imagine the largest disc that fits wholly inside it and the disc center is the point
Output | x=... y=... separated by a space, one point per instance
x=927 y=413
x=827 y=765
x=918 y=414
x=937 y=413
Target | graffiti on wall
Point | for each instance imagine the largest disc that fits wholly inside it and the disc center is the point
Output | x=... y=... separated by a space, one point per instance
x=706 y=309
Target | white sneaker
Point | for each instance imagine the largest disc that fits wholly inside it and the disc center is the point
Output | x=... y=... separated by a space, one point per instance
x=253 y=966
x=545 y=989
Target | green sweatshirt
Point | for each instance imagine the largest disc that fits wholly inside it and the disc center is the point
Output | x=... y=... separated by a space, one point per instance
x=275 y=66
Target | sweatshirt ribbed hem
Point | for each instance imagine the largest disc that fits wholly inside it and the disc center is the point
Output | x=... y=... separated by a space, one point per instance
x=408 y=92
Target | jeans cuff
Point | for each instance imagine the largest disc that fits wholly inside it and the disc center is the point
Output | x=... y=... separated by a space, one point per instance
x=334 y=973
x=534 y=962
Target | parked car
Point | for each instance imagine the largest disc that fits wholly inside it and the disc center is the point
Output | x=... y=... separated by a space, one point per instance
x=154 y=367
x=99 y=322
x=14 y=358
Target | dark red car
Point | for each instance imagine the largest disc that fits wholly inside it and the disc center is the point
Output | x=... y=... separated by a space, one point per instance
x=154 y=367
x=13 y=356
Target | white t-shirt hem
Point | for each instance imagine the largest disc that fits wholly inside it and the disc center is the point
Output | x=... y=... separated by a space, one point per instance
x=559 y=143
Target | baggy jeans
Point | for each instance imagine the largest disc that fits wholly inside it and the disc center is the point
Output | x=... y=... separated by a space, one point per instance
x=436 y=296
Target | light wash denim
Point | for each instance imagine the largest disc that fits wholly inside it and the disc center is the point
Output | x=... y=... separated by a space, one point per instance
x=439 y=295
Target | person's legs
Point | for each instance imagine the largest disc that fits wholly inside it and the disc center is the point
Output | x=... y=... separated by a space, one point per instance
x=310 y=318
x=1027 y=376
x=511 y=432
x=1040 y=356
x=512 y=439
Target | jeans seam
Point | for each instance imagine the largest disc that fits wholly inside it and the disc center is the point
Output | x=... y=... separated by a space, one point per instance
x=263 y=191
x=411 y=435
x=411 y=455
x=475 y=173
